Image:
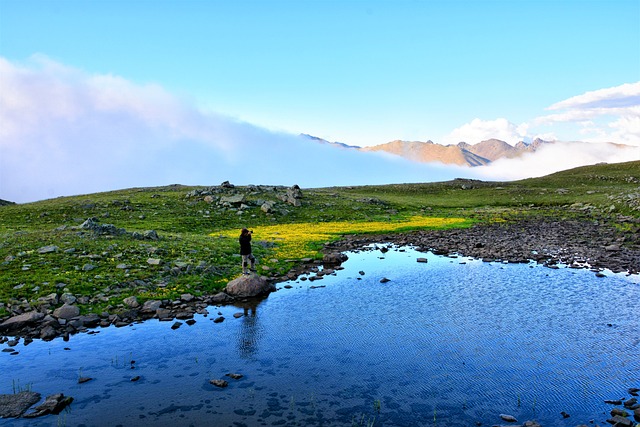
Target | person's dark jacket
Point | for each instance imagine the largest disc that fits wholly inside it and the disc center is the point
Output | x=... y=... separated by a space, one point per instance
x=245 y=244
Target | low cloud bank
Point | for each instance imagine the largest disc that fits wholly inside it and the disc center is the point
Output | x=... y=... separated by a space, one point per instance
x=66 y=132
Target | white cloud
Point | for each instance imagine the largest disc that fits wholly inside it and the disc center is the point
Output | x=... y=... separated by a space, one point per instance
x=605 y=115
x=480 y=130
x=67 y=132
x=555 y=157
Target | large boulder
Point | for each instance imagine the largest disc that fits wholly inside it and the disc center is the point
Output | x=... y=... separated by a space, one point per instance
x=249 y=286
x=67 y=311
x=20 y=321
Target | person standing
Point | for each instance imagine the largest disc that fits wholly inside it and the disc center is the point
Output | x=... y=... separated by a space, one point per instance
x=245 y=251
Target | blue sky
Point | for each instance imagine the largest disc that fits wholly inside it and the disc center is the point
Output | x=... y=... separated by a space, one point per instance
x=217 y=79
x=360 y=72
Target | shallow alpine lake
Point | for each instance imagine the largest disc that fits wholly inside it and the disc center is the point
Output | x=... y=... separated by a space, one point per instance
x=450 y=342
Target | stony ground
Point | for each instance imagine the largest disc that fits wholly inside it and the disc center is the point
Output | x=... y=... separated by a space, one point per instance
x=575 y=243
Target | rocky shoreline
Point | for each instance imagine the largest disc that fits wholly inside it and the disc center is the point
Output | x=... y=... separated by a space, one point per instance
x=577 y=244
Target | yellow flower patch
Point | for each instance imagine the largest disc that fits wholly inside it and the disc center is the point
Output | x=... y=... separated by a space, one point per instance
x=295 y=241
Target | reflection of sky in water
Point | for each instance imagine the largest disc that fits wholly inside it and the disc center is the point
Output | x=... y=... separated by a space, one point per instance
x=454 y=340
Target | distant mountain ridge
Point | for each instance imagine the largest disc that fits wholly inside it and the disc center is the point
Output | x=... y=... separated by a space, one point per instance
x=462 y=154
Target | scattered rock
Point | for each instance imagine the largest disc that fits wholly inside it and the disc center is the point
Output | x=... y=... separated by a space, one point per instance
x=234 y=376
x=384 y=280
x=219 y=383
x=131 y=301
x=508 y=418
x=53 y=404
x=21 y=321
x=83 y=380
x=67 y=311
x=48 y=249
x=422 y=260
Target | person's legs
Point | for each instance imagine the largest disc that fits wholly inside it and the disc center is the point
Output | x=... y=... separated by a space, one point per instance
x=253 y=262
x=244 y=264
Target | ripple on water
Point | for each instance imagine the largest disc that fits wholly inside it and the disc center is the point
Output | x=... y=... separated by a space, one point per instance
x=448 y=342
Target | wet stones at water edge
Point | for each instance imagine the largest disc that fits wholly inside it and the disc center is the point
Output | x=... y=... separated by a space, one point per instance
x=16 y=405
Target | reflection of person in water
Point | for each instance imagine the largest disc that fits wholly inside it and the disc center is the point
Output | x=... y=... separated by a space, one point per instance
x=250 y=330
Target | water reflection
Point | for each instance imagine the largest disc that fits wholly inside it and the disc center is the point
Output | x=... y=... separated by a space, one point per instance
x=250 y=331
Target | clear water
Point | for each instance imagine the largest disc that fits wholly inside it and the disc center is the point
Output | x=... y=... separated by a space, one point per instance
x=452 y=342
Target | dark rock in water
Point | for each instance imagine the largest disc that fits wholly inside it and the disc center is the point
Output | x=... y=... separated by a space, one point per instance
x=53 y=404
x=176 y=325
x=633 y=391
x=220 y=297
x=83 y=380
x=219 y=383
x=629 y=404
x=235 y=376
x=613 y=402
x=636 y=414
x=48 y=333
x=508 y=418
x=565 y=415
x=384 y=280
x=335 y=258
x=619 y=421
x=218 y=319
x=14 y=405
x=136 y=378
x=249 y=286
x=421 y=260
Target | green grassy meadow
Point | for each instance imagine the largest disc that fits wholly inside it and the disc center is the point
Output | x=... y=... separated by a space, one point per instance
x=197 y=249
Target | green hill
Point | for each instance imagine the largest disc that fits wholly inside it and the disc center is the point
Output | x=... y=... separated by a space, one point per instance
x=157 y=243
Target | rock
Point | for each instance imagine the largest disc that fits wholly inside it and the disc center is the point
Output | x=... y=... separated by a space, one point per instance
x=150 y=235
x=131 y=301
x=629 y=404
x=234 y=376
x=220 y=297
x=227 y=184
x=67 y=298
x=186 y=297
x=235 y=199
x=67 y=311
x=83 y=380
x=619 y=421
x=150 y=306
x=48 y=333
x=219 y=383
x=154 y=261
x=636 y=414
x=53 y=404
x=335 y=258
x=218 y=319
x=267 y=207
x=384 y=280
x=422 y=260
x=48 y=249
x=88 y=267
x=14 y=405
x=176 y=325
x=21 y=321
x=249 y=286
x=508 y=418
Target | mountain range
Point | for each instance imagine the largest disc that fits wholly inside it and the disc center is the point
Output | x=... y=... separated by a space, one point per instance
x=462 y=154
